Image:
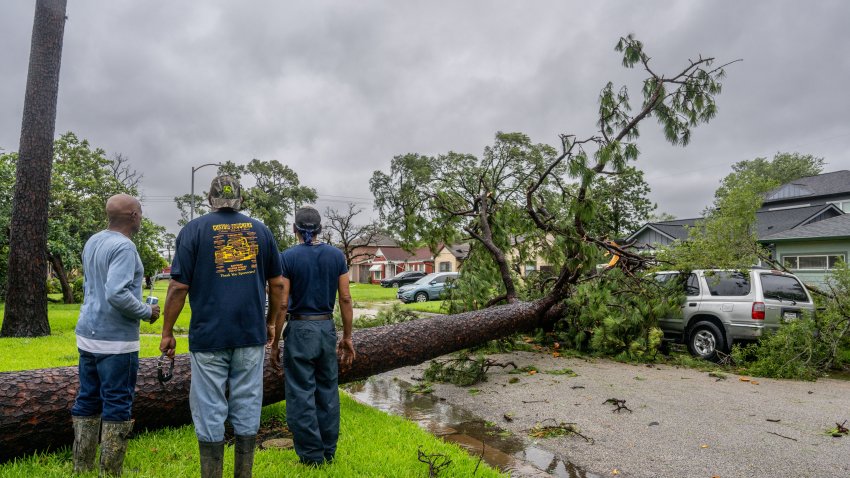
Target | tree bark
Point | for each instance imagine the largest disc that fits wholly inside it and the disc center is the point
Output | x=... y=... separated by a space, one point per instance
x=59 y=269
x=35 y=404
x=26 y=298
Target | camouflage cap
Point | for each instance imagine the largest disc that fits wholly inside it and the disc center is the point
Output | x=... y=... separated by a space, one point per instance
x=225 y=191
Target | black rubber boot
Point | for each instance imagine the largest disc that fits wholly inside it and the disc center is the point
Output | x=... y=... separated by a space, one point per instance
x=113 y=447
x=244 y=455
x=212 y=458
x=86 y=437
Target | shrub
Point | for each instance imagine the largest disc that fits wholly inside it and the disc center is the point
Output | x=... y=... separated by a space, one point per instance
x=77 y=287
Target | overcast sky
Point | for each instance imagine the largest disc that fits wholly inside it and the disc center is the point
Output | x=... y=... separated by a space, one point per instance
x=336 y=89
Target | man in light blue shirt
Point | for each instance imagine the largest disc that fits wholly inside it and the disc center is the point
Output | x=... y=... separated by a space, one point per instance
x=108 y=339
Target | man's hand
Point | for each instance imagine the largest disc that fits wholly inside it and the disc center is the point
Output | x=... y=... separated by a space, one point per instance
x=274 y=356
x=154 y=313
x=167 y=345
x=270 y=334
x=345 y=352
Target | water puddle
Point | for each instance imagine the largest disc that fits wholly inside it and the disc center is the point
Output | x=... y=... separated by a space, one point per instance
x=500 y=449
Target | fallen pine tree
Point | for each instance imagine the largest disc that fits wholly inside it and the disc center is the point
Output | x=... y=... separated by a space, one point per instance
x=35 y=405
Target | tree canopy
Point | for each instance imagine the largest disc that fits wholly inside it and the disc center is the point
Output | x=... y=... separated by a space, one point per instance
x=521 y=198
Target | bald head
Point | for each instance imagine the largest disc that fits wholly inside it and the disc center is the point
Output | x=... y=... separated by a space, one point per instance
x=124 y=213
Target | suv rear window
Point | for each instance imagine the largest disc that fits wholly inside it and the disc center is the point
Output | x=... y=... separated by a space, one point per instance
x=727 y=283
x=783 y=287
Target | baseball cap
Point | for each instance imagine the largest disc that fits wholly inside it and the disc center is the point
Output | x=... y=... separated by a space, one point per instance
x=308 y=218
x=225 y=191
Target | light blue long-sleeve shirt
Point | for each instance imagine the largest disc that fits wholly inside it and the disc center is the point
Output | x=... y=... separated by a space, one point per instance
x=112 y=306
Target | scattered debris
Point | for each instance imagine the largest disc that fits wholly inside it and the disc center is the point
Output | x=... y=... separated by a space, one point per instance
x=509 y=417
x=564 y=371
x=718 y=375
x=436 y=462
x=513 y=380
x=474 y=391
x=462 y=370
x=421 y=388
x=654 y=424
x=639 y=378
x=744 y=379
x=620 y=404
x=551 y=431
x=528 y=369
x=577 y=387
x=840 y=430
x=535 y=401
x=783 y=436
x=773 y=420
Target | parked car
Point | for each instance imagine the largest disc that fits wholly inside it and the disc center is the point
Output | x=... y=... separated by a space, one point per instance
x=427 y=288
x=402 y=278
x=722 y=307
x=161 y=276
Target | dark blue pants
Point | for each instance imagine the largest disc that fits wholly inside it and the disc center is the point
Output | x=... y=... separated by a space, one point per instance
x=107 y=386
x=312 y=393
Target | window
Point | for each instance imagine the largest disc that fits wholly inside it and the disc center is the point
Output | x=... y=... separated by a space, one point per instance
x=445 y=266
x=843 y=205
x=727 y=283
x=812 y=262
x=692 y=287
x=440 y=280
x=783 y=287
x=530 y=267
x=377 y=275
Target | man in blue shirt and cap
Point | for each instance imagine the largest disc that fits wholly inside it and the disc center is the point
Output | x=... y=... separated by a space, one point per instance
x=313 y=274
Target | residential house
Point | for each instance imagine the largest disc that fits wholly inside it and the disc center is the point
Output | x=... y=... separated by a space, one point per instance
x=383 y=258
x=390 y=261
x=450 y=257
x=803 y=223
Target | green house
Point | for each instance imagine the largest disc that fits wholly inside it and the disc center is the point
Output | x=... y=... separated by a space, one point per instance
x=811 y=251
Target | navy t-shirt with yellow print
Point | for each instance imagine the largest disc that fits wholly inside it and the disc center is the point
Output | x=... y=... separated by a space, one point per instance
x=225 y=258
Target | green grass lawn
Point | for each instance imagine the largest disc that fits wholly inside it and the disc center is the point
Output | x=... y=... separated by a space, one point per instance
x=364 y=293
x=372 y=443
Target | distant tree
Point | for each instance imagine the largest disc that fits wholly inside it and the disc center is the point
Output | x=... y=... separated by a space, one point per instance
x=623 y=203
x=761 y=174
x=168 y=241
x=276 y=195
x=124 y=173
x=349 y=236
x=184 y=205
x=660 y=217
x=26 y=297
x=149 y=240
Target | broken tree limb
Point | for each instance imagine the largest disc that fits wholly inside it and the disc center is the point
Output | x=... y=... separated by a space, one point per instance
x=35 y=404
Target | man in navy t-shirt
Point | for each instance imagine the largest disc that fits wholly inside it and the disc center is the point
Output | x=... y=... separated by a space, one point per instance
x=313 y=273
x=223 y=261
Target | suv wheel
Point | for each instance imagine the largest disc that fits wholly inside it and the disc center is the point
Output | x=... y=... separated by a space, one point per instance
x=395 y=285
x=705 y=341
x=421 y=297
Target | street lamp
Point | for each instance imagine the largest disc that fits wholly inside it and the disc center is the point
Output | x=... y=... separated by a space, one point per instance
x=192 y=195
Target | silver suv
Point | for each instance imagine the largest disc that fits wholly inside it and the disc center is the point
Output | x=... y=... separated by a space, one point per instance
x=722 y=307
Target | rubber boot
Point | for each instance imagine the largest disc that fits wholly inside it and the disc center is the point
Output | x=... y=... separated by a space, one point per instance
x=244 y=455
x=86 y=437
x=113 y=447
x=212 y=457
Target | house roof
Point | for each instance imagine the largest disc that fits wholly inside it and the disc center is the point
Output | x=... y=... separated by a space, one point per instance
x=767 y=222
x=378 y=240
x=773 y=222
x=838 y=226
x=460 y=251
x=397 y=254
x=827 y=184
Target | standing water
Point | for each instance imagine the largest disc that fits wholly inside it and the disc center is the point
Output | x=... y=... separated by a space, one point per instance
x=498 y=448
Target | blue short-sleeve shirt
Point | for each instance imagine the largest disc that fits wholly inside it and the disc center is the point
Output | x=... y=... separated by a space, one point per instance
x=226 y=258
x=313 y=271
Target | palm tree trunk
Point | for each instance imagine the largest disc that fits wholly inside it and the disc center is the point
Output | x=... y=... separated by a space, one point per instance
x=26 y=298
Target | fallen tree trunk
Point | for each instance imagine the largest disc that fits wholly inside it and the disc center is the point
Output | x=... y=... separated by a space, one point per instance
x=35 y=404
